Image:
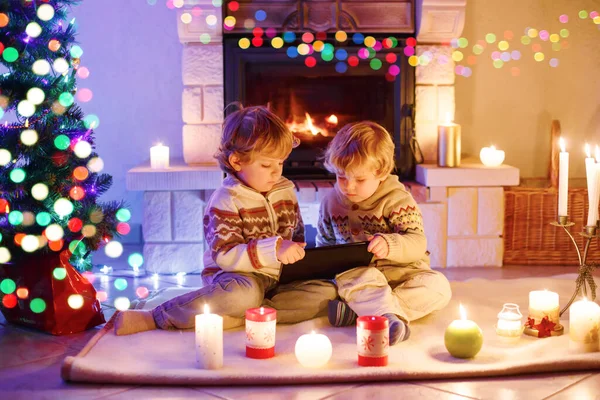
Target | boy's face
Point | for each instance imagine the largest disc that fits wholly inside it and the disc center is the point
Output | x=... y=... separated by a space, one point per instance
x=260 y=174
x=359 y=183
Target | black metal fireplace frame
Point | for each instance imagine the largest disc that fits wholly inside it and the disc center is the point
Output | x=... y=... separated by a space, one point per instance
x=236 y=59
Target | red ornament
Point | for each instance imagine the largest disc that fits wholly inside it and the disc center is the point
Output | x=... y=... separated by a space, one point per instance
x=233 y=5
x=4 y=208
x=123 y=228
x=310 y=62
x=257 y=42
x=75 y=224
x=9 y=301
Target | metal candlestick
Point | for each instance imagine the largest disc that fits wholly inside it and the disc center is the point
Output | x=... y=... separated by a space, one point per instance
x=585 y=276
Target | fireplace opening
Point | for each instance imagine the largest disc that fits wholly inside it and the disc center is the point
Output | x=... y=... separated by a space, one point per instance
x=316 y=102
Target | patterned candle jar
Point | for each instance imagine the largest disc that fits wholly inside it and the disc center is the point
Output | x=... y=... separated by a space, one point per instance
x=260 y=332
x=372 y=341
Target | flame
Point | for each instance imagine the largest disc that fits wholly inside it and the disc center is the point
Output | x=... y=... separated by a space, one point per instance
x=463 y=312
x=309 y=125
x=561 y=143
x=206 y=309
x=493 y=148
x=332 y=119
x=448 y=118
x=262 y=310
x=587 y=150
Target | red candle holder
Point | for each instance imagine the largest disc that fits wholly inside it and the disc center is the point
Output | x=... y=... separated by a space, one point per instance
x=260 y=332
x=372 y=341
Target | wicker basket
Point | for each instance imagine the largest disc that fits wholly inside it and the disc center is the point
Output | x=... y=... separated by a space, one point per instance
x=529 y=239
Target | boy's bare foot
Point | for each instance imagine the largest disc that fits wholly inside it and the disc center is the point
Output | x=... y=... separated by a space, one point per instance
x=134 y=321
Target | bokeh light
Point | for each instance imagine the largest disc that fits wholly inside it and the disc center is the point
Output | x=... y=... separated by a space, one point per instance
x=37 y=305
x=63 y=207
x=54 y=232
x=33 y=29
x=82 y=149
x=59 y=273
x=113 y=249
x=4 y=255
x=60 y=65
x=120 y=284
x=41 y=67
x=122 y=303
x=30 y=243
x=7 y=286
x=29 y=137
x=75 y=301
x=45 y=12
x=39 y=191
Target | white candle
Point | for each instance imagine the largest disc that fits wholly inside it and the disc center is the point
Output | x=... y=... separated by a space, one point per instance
x=313 y=350
x=543 y=303
x=491 y=157
x=584 y=322
x=159 y=156
x=209 y=340
x=563 y=180
x=594 y=190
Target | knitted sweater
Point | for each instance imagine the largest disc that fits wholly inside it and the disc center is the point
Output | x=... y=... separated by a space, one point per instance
x=242 y=226
x=391 y=212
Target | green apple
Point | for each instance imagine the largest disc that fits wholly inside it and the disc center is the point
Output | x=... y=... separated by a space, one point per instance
x=463 y=339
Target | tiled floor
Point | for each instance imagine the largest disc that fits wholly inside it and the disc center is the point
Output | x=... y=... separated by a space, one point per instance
x=30 y=363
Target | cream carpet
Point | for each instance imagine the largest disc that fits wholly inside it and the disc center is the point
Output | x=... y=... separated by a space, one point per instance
x=167 y=357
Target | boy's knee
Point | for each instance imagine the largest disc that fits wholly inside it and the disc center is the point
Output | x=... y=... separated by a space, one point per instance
x=440 y=284
x=240 y=293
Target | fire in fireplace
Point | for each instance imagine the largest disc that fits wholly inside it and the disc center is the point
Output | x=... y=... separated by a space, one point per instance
x=316 y=102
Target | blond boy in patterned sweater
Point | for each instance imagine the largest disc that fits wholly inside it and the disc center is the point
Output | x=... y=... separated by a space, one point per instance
x=370 y=204
x=252 y=226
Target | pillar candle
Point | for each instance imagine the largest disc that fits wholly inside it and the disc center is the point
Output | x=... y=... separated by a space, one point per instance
x=593 y=181
x=260 y=332
x=584 y=322
x=491 y=157
x=563 y=180
x=543 y=303
x=449 y=146
x=313 y=350
x=590 y=171
x=159 y=156
x=209 y=340
x=372 y=341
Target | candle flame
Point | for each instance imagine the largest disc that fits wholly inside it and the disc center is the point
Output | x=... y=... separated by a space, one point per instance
x=206 y=309
x=448 y=117
x=312 y=332
x=262 y=310
x=493 y=148
x=587 y=150
x=332 y=119
x=561 y=143
x=463 y=312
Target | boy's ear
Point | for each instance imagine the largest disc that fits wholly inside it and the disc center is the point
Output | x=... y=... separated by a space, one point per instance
x=235 y=163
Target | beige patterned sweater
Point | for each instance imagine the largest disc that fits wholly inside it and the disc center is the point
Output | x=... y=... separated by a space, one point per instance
x=242 y=226
x=391 y=212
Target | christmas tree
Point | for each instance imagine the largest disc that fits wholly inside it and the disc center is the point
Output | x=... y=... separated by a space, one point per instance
x=49 y=172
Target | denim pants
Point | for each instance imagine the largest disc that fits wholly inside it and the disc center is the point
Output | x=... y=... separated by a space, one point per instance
x=410 y=293
x=231 y=294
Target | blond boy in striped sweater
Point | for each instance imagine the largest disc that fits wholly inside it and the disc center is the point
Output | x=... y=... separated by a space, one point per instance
x=252 y=225
x=370 y=204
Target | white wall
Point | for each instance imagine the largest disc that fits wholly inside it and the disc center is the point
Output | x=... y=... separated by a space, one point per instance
x=515 y=113
x=134 y=57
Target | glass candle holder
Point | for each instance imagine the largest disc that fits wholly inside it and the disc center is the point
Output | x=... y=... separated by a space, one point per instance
x=510 y=324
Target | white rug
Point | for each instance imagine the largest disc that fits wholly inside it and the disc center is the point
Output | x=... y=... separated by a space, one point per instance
x=167 y=357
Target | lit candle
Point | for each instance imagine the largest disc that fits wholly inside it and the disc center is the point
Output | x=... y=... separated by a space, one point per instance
x=543 y=303
x=593 y=188
x=209 y=340
x=261 y=325
x=313 y=350
x=463 y=338
x=563 y=179
x=491 y=157
x=372 y=341
x=159 y=156
x=584 y=322
x=448 y=143
x=509 y=325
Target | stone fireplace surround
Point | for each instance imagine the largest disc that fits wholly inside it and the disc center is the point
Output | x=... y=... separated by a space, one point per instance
x=462 y=208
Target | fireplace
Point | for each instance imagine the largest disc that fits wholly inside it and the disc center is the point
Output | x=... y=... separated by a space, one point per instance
x=316 y=102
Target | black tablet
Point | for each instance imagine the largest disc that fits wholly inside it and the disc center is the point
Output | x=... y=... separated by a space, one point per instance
x=326 y=262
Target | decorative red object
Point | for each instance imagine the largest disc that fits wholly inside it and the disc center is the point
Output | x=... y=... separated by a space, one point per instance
x=544 y=328
x=372 y=341
x=35 y=273
x=260 y=332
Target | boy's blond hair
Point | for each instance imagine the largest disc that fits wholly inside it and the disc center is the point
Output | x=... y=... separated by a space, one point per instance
x=363 y=143
x=253 y=130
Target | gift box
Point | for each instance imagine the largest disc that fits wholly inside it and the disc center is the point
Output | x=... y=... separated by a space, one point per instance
x=44 y=291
